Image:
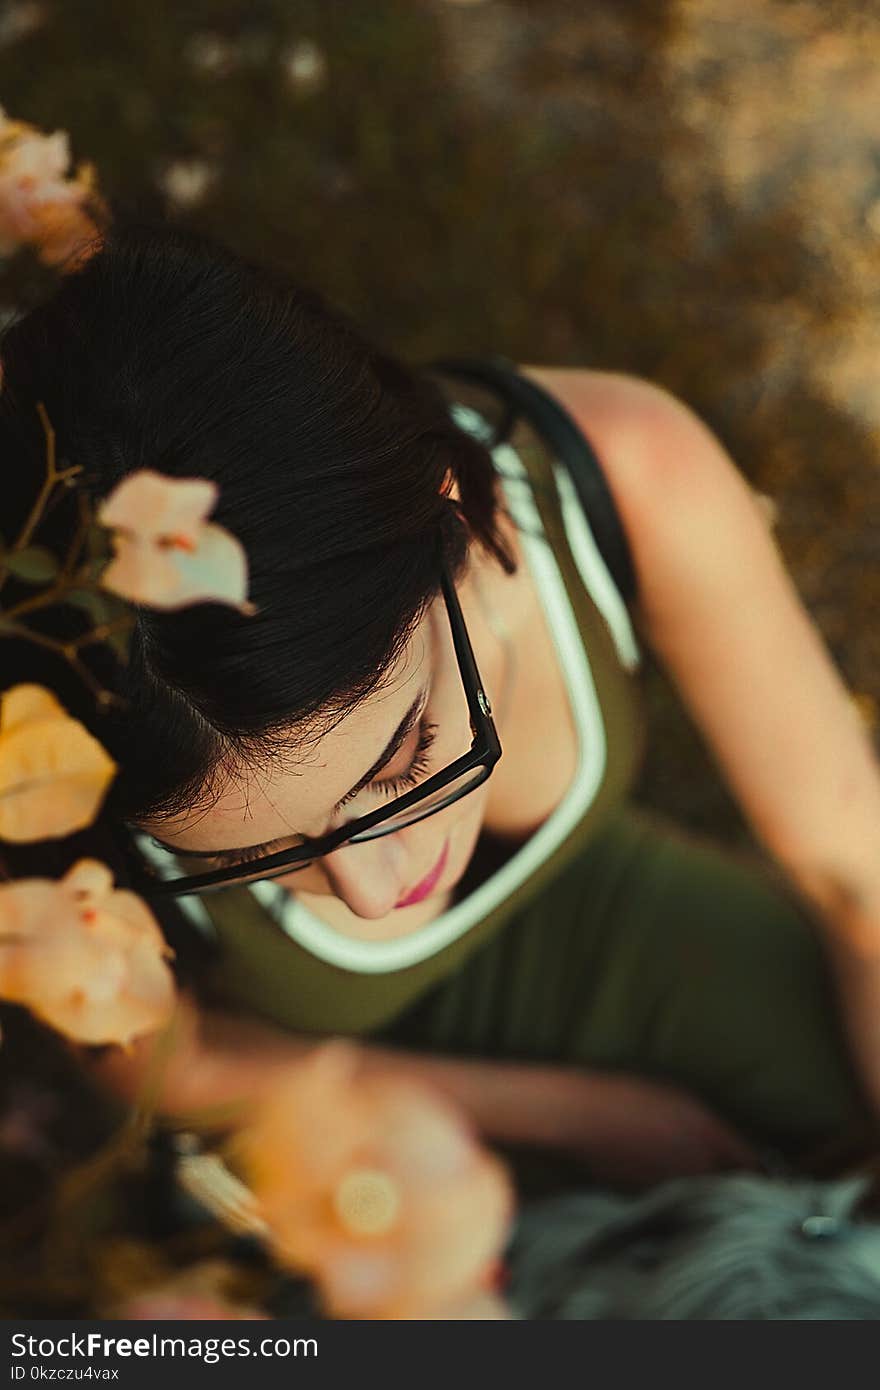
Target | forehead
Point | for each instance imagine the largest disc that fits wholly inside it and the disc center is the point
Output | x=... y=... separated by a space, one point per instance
x=295 y=792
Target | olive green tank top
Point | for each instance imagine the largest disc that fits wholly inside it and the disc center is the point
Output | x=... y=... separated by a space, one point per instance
x=275 y=958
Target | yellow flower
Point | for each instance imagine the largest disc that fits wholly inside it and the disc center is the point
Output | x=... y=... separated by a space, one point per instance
x=87 y=959
x=53 y=773
x=167 y=555
x=375 y=1189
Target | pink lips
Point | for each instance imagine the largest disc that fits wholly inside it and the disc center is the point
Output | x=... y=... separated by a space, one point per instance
x=421 y=890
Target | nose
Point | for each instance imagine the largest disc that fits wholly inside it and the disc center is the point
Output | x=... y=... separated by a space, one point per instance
x=369 y=877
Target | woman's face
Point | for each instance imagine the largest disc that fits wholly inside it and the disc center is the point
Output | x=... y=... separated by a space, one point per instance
x=421 y=716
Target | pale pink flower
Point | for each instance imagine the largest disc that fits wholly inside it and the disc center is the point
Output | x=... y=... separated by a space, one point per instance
x=33 y=167
x=39 y=202
x=87 y=959
x=375 y=1188
x=53 y=773
x=167 y=555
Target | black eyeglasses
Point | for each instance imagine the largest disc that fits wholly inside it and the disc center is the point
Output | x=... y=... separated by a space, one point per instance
x=439 y=791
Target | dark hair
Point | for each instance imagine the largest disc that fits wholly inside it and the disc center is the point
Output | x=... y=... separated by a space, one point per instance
x=334 y=463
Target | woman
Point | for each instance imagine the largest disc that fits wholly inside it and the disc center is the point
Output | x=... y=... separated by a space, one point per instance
x=535 y=935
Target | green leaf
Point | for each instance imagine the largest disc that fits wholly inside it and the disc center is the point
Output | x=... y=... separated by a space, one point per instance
x=98 y=606
x=35 y=564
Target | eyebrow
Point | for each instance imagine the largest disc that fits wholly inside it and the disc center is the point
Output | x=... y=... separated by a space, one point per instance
x=404 y=728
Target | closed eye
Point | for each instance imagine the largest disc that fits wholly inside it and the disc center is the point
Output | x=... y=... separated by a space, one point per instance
x=247 y=856
x=390 y=786
x=401 y=781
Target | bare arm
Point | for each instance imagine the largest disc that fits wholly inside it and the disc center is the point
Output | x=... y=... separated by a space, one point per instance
x=719 y=609
x=623 y=1129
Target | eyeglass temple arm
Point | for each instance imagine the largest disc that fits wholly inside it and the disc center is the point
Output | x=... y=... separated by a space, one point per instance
x=478 y=702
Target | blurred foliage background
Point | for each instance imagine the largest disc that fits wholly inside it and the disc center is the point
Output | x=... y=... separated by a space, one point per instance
x=688 y=190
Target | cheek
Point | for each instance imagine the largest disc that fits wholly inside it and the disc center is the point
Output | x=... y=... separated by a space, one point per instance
x=310 y=880
x=463 y=825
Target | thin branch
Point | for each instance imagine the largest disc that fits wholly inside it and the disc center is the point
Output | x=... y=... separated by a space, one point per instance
x=79 y=539
x=67 y=651
x=69 y=578
x=53 y=476
x=42 y=600
x=103 y=631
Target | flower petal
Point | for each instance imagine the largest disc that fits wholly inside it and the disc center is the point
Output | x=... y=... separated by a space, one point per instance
x=216 y=571
x=151 y=505
x=23 y=702
x=94 y=969
x=166 y=555
x=141 y=572
x=53 y=772
x=374 y=1187
x=89 y=882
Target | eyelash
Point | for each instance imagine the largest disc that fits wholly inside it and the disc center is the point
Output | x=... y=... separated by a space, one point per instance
x=397 y=785
x=249 y=856
x=404 y=780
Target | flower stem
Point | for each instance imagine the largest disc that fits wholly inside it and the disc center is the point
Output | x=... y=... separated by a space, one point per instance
x=53 y=477
x=67 y=651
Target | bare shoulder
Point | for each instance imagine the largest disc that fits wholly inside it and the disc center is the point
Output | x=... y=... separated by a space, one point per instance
x=608 y=394
x=659 y=457
x=641 y=432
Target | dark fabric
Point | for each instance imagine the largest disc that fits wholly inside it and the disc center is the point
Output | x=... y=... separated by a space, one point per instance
x=732 y=1247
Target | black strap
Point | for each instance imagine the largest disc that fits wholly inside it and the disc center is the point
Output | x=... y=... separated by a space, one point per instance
x=567 y=442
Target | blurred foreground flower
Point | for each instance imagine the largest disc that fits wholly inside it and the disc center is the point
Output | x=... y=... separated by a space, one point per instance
x=167 y=555
x=40 y=204
x=87 y=959
x=53 y=773
x=376 y=1190
x=200 y=1292
x=480 y=1307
